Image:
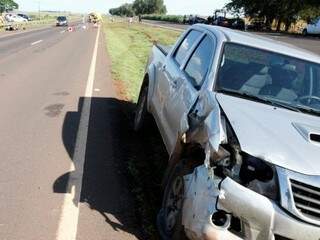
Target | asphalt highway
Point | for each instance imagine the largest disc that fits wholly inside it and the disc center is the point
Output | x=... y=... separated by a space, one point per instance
x=58 y=177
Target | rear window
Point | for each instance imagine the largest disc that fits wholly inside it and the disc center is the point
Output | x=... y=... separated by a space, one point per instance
x=186 y=45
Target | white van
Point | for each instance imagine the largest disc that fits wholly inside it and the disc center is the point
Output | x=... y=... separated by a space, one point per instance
x=313 y=27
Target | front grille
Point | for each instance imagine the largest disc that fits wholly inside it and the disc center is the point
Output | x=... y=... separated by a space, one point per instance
x=306 y=199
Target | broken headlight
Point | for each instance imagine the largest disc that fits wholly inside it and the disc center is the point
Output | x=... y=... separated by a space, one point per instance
x=259 y=176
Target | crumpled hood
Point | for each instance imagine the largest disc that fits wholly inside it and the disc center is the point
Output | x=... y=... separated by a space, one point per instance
x=277 y=135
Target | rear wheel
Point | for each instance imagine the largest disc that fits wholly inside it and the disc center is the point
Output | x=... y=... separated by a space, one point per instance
x=141 y=111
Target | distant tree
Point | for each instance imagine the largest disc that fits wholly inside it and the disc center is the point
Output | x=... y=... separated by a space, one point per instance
x=309 y=13
x=141 y=7
x=156 y=7
x=283 y=11
x=8 y=5
x=124 y=10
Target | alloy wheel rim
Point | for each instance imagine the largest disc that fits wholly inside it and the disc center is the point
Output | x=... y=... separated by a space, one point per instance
x=174 y=203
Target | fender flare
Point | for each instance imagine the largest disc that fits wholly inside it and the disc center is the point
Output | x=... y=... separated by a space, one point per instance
x=150 y=77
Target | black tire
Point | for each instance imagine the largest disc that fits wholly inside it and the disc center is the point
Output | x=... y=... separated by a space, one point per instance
x=141 y=113
x=305 y=32
x=169 y=219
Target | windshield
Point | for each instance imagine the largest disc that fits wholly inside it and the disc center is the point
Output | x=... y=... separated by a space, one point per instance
x=270 y=76
x=61 y=18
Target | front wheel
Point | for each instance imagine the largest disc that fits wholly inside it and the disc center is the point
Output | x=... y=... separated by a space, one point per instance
x=141 y=111
x=170 y=216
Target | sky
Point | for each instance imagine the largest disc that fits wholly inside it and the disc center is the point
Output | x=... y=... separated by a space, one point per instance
x=200 y=7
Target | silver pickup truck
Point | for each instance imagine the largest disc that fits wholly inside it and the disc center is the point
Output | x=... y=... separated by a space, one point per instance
x=240 y=118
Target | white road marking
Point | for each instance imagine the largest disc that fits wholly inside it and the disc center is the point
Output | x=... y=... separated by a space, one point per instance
x=37 y=42
x=68 y=223
x=97 y=89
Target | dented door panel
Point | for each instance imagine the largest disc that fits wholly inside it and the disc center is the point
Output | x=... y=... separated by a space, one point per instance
x=206 y=122
x=179 y=104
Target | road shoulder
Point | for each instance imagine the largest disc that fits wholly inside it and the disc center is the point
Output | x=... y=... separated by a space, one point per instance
x=106 y=206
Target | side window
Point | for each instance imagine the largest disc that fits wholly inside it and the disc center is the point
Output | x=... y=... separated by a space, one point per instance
x=199 y=63
x=186 y=45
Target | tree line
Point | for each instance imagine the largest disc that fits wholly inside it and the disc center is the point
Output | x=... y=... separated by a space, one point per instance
x=279 y=11
x=7 y=5
x=140 y=7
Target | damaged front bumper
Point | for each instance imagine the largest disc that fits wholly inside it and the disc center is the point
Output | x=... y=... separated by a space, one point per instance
x=260 y=217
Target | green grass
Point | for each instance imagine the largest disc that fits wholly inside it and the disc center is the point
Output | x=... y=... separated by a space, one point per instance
x=166 y=18
x=129 y=47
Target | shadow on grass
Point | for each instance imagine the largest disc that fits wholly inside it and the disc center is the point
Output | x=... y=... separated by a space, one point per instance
x=123 y=170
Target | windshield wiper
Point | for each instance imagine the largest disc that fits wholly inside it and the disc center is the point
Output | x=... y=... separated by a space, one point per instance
x=284 y=105
x=260 y=99
x=308 y=109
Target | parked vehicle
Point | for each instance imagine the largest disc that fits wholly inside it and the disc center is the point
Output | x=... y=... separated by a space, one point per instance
x=257 y=25
x=24 y=16
x=223 y=21
x=196 y=19
x=94 y=18
x=15 y=18
x=313 y=27
x=240 y=119
x=62 y=21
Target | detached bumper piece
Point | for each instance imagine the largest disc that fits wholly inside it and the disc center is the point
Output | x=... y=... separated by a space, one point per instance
x=260 y=217
x=222 y=209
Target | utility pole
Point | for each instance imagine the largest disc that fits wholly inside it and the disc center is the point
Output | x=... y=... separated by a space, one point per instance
x=39 y=10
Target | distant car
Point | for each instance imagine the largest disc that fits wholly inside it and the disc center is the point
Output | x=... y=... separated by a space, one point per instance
x=257 y=25
x=14 y=18
x=313 y=27
x=24 y=16
x=233 y=23
x=194 y=20
x=62 y=21
x=199 y=20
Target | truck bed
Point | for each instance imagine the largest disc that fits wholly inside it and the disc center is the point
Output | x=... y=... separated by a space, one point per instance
x=164 y=48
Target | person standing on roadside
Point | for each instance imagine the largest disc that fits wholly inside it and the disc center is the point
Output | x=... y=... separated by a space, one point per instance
x=190 y=19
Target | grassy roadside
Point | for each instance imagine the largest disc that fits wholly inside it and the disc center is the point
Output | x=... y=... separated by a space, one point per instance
x=128 y=46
